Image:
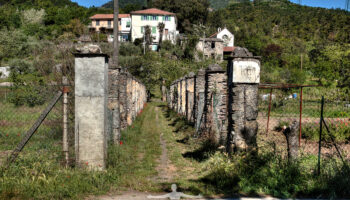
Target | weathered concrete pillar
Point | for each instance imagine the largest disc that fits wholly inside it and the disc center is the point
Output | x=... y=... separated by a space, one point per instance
x=163 y=91
x=243 y=80
x=179 y=98
x=200 y=99
x=190 y=99
x=91 y=83
x=216 y=104
x=171 y=96
x=113 y=105
x=129 y=100
x=134 y=99
x=183 y=96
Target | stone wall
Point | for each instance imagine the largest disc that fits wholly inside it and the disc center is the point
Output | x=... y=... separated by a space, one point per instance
x=106 y=102
x=223 y=106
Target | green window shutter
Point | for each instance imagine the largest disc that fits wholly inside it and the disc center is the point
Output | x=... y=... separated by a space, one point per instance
x=154 y=29
x=142 y=17
x=149 y=17
x=142 y=29
x=163 y=18
x=157 y=18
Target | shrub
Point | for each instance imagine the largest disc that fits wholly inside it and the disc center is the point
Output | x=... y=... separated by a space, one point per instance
x=129 y=49
x=339 y=130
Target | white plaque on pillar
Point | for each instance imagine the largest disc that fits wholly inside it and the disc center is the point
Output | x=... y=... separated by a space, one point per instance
x=246 y=71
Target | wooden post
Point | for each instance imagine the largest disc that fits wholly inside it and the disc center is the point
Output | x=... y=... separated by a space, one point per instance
x=65 y=120
x=116 y=34
x=268 y=115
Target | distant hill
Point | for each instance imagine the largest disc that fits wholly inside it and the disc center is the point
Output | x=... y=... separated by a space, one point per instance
x=123 y=3
x=217 y=4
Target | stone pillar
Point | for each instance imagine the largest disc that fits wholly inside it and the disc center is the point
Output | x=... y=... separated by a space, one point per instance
x=113 y=105
x=243 y=81
x=200 y=99
x=123 y=99
x=216 y=104
x=91 y=83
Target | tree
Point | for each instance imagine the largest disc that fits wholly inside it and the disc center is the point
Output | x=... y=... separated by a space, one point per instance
x=76 y=27
x=148 y=36
x=161 y=27
x=188 y=12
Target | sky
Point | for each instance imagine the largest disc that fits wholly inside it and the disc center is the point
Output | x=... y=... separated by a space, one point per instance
x=314 y=3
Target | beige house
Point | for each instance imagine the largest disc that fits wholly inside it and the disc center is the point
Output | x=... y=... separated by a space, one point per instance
x=104 y=23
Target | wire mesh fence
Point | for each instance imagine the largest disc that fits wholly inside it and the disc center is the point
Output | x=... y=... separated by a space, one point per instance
x=22 y=101
x=278 y=108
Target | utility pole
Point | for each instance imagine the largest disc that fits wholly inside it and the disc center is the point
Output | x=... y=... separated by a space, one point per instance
x=347 y=5
x=115 y=34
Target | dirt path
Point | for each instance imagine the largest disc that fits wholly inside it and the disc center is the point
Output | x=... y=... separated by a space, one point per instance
x=165 y=169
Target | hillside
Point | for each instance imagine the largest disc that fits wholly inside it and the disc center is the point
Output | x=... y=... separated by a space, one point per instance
x=281 y=31
x=123 y=3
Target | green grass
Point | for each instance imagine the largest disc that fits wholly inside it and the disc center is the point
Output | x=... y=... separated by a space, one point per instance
x=38 y=174
x=202 y=169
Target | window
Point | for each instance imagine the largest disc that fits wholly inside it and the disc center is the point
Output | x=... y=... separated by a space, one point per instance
x=142 y=29
x=154 y=30
x=213 y=45
x=97 y=22
x=155 y=18
x=109 y=23
x=144 y=17
x=166 y=18
x=128 y=24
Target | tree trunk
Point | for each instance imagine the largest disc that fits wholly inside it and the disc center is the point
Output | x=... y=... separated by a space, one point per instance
x=291 y=134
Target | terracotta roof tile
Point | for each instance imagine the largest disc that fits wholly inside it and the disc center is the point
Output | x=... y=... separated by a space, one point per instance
x=229 y=49
x=152 y=11
x=109 y=16
x=214 y=35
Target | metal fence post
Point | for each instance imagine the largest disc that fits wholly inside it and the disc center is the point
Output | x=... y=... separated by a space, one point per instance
x=320 y=138
x=301 y=113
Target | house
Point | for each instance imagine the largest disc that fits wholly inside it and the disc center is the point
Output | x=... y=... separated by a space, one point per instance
x=104 y=23
x=226 y=36
x=152 y=17
x=211 y=48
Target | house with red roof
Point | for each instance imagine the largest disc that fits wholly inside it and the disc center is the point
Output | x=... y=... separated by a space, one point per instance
x=152 y=17
x=104 y=23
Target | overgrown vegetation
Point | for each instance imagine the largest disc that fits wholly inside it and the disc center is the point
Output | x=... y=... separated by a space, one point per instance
x=211 y=172
x=38 y=174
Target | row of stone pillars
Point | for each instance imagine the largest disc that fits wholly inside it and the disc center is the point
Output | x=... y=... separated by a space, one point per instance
x=222 y=105
x=106 y=102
